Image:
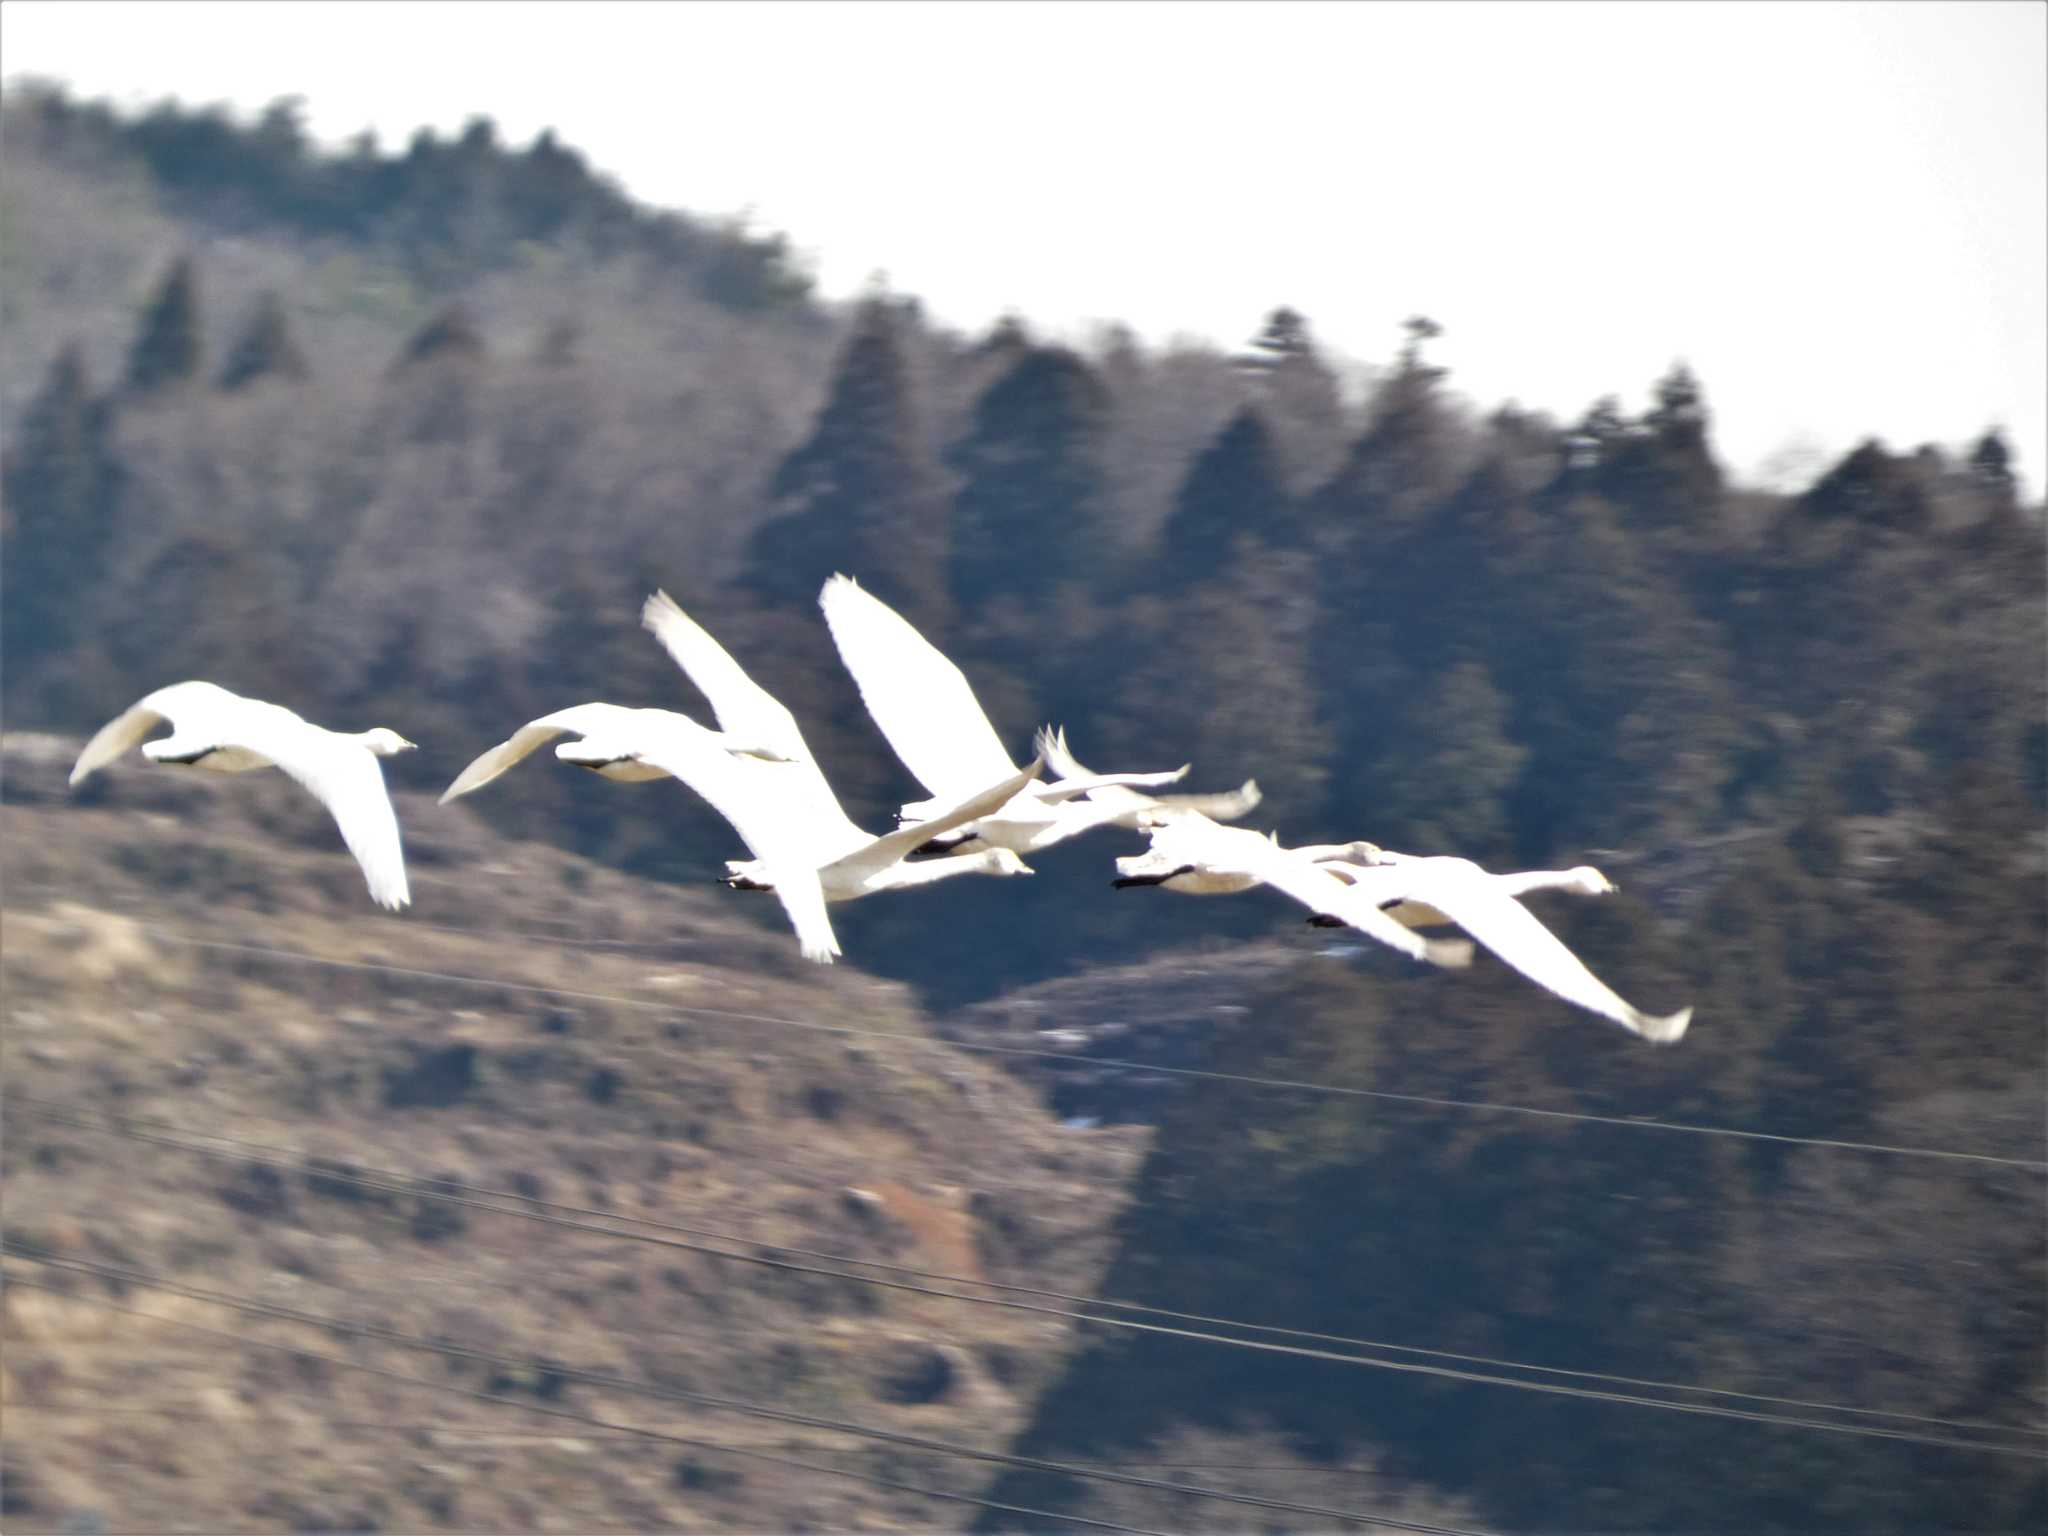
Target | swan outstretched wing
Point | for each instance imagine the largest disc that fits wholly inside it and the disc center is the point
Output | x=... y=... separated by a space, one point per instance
x=193 y=708
x=1222 y=805
x=746 y=792
x=1316 y=888
x=579 y=719
x=803 y=900
x=343 y=775
x=752 y=718
x=1481 y=905
x=881 y=852
x=919 y=700
x=746 y=711
x=767 y=805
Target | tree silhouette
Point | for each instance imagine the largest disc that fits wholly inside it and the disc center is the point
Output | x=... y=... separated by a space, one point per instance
x=1991 y=471
x=1027 y=516
x=863 y=493
x=62 y=483
x=1234 y=490
x=265 y=349
x=1299 y=394
x=167 y=346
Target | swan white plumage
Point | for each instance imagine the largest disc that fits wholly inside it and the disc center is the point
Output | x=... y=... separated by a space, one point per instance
x=806 y=849
x=1137 y=812
x=601 y=726
x=924 y=706
x=1420 y=892
x=224 y=732
x=1197 y=856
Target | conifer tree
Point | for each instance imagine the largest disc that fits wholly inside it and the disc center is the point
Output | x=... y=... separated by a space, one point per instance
x=435 y=373
x=864 y=493
x=1028 y=515
x=61 y=484
x=1405 y=460
x=167 y=347
x=1444 y=789
x=1239 y=642
x=449 y=334
x=1991 y=471
x=1007 y=340
x=1302 y=404
x=1868 y=499
x=1234 y=490
x=1403 y=466
x=1663 y=475
x=265 y=349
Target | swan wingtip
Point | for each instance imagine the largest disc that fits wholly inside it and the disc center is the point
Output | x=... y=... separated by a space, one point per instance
x=1668 y=1030
x=1451 y=954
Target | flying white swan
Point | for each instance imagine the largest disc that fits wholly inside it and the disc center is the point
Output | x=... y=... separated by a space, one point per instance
x=1432 y=892
x=214 y=729
x=806 y=849
x=1139 y=812
x=922 y=703
x=599 y=725
x=1193 y=854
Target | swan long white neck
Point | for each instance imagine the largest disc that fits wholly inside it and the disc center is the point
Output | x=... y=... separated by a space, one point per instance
x=1584 y=879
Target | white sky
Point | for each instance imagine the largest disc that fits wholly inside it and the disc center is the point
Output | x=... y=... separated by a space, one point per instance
x=1836 y=213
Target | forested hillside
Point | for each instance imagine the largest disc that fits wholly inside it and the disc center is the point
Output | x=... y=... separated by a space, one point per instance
x=404 y=439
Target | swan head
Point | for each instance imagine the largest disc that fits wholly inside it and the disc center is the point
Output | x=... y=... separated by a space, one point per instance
x=1588 y=881
x=1362 y=852
x=1001 y=861
x=386 y=742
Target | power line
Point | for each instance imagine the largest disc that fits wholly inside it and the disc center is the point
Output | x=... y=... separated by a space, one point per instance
x=760 y=1259
x=406 y=1183
x=2031 y=1165
x=252 y=1307
x=735 y=1016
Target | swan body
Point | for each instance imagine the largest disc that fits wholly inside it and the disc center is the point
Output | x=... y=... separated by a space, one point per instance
x=1195 y=855
x=1421 y=892
x=924 y=706
x=611 y=728
x=224 y=732
x=806 y=849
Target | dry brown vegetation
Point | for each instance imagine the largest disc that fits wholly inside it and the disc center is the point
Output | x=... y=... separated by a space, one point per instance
x=630 y=1104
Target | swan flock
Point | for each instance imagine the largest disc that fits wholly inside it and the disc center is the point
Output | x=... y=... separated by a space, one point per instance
x=983 y=812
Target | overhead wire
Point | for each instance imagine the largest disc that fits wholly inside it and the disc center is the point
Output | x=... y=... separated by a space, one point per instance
x=604 y=1381
x=423 y=1188
x=1431 y=1101
x=736 y=1016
